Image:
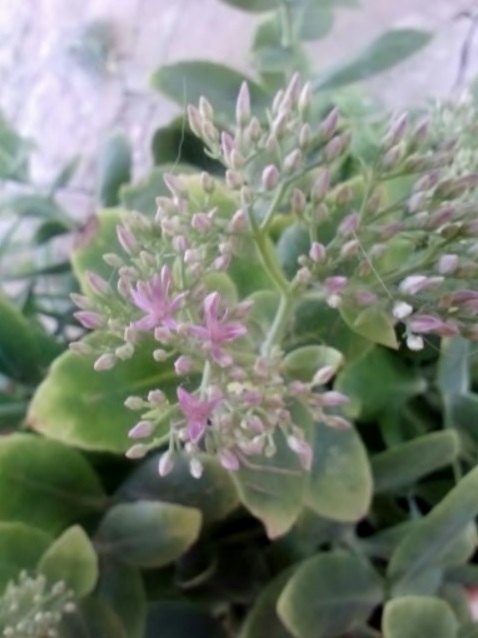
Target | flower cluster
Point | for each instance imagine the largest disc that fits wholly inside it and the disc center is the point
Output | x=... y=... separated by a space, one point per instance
x=30 y=607
x=406 y=251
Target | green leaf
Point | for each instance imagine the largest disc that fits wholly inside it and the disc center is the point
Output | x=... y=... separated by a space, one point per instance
x=148 y=534
x=20 y=548
x=65 y=175
x=372 y=323
x=453 y=376
x=186 y=82
x=304 y=362
x=329 y=595
x=72 y=559
x=21 y=352
x=44 y=483
x=385 y=52
x=315 y=19
x=176 y=144
x=37 y=206
x=469 y=630
x=417 y=617
x=262 y=620
x=378 y=382
x=93 y=618
x=121 y=586
x=84 y=408
x=340 y=486
x=429 y=542
x=294 y=242
x=114 y=169
x=50 y=229
x=272 y=488
x=14 y=151
x=141 y=195
x=214 y=494
x=315 y=322
x=405 y=464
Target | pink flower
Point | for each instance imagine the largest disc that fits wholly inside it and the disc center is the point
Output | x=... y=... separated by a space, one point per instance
x=424 y=323
x=153 y=297
x=218 y=331
x=197 y=412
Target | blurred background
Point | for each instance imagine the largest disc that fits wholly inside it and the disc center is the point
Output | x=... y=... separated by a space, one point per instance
x=74 y=72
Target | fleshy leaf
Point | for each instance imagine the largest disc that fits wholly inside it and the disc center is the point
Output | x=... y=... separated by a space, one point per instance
x=418 y=616
x=72 y=559
x=329 y=595
x=148 y=534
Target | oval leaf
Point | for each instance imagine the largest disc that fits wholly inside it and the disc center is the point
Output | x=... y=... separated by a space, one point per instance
x=186 y=82
x=429 y=541
x=418 y=616
x=262 y=619
x=72 y=559
x=82 y=407
x=147 y=534
x=340 y=485
x=405 y=464
x=388 y=50
x=44 y=483
x=214 y=494
x=114 y=169
x=329 y=595
x=92 y=618
x=372 y=323
x=272 y=488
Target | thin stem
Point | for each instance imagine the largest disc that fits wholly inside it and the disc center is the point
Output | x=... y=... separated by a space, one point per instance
x=273 y=207
x=279 y=324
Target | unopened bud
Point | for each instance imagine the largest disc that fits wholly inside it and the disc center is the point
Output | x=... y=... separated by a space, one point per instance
x=414 y=342
x=396 y=132
x=125 y=351
x=207 y=183
x=89 y=319
x=320 y=187
x=393 y=157
x=448 y=264
x=329 y=124
x=270 y=177
x=194 y=120
x=196 y=468
x=317 y=252
x=323 y=375
x=234 y=179
x=424 y=323
x=293 y=160
x=183 y=365
x=401 y=310
x=205 y=108
x=349 y=225
x=228 y=460
x=350 y=248
x=141 y=430
x=113 y=260
x=305 y=136
x=243 y=105
x=305 y=99
x=298 y=201
x=343 y=194
x=80 y=347
x=175 y=185
x=134 y=403
x=333 y=149
x=209 y=133
x=238 y=222
x=127 y=240
x=156 y=397
x=105 y=362
x=333 y=399
x=166 y=464
x=138 y=451
x=237 y=161
x=304 y=276
x=419 y=135
x=254 y=131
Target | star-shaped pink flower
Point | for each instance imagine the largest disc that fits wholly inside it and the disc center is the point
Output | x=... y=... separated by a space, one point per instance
x=197 y=412
x=153 y=298
x=218 y=329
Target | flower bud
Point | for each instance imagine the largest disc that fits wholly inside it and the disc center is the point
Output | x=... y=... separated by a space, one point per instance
x=302 y=449
x=80 y=347
x=317 y=252
x=134 y=403
x=205 y=108
x=234 y=179
x=125 y=351
x=83 y=302
x=320 y=187
x=166 y=464
x=417 y=201
x=89 y=319
x=209 y=133
x=333 y=149
x=138 y=451
x=228 y=460
x=401 y=310
x=105 y=362
x=194 y=120
x=329 y=125
x=279 y=125
x=238 y=222
x=196 y=468
x=127 y=240
x=236 y=159
x=349 y=225
x=207 y=183
x=305 y=136
x=393 y=157
x=141 y=430
x=424 y=323
x=333 y=399
x=304 y=276
x=175 y=185
x=447 y=264
x=227 y=145
x=415 y=343
x=305 y=99
x=298 y=201
x=350 y=248
x=183 y=365
x=243 y=105
x=323 y=375
x=419 y=135
x=395 y=133
x=201 y=222
x=113 y=260
x=293 y=160
x=337 y=422
x=291 y=94
x=270 y=177
x=254 y=131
